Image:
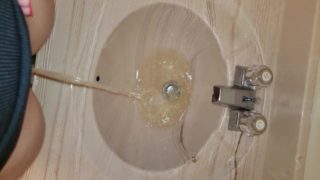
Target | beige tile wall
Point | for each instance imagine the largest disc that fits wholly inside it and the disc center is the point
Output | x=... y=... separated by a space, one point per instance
x=313 y=154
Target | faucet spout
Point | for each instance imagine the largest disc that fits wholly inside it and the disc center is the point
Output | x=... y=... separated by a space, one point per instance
x=233 y=97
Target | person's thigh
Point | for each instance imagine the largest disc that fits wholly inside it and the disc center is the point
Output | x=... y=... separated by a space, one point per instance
x=29 y=142
x=32 y=132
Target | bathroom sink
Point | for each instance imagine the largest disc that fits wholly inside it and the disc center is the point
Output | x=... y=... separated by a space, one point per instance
x=134 y=57
x=162 y=31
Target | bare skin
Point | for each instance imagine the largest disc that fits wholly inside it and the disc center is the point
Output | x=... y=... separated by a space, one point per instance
x=29 y=142
x=33 y=127
x=41 y=23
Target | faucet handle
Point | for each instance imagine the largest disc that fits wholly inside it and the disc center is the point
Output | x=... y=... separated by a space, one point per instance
x=259 y=76
x=251 y=123
x=253 y=77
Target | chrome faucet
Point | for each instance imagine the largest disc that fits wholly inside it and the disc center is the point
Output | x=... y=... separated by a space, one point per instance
x=241 y=99
x=234 y=97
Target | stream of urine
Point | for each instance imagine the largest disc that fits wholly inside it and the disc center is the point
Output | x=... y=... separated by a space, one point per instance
x=154 y=72
x=63 y=78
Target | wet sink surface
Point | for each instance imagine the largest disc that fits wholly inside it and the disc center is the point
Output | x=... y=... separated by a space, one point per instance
x=150 y=47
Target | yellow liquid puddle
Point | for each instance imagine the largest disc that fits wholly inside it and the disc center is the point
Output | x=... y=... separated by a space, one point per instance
x=157 y=70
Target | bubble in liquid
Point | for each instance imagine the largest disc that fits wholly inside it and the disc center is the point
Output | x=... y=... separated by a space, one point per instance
x=159 y=69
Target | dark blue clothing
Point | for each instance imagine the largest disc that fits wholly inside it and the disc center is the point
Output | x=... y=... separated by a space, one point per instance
x=15 y=72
